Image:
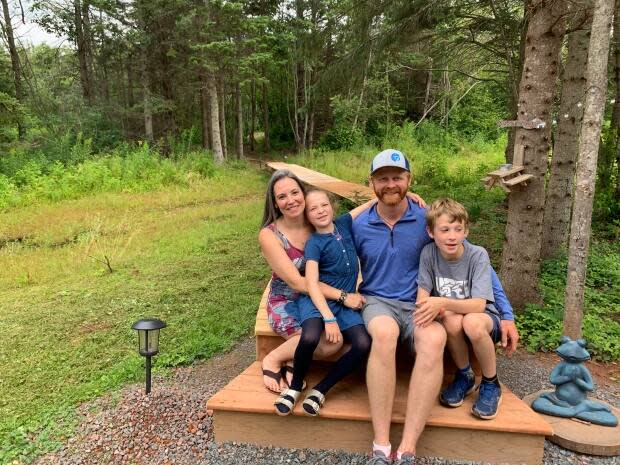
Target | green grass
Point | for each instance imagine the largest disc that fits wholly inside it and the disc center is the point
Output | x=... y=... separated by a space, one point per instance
x=186 y=255
x=182 y=247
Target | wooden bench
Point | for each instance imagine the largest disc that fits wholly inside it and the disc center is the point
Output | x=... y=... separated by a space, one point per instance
x=243 y=412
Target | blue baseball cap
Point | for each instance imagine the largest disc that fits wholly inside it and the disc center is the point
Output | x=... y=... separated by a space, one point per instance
x=390 y=157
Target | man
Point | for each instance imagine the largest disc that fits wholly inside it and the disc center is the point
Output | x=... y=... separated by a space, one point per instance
x=389 y=238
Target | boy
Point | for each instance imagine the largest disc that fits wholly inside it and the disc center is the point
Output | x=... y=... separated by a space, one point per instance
x=454 y=282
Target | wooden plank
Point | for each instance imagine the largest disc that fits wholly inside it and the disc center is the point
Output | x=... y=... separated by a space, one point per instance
x=356 y=436
x=349 y=401
x=518 y=180
x=519 y=155
x=504 y=173
x=348 y=190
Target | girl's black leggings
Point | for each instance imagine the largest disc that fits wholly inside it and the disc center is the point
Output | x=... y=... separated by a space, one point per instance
x=311 y=331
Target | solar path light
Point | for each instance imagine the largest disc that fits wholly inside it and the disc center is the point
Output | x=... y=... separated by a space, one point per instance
x=148 y=342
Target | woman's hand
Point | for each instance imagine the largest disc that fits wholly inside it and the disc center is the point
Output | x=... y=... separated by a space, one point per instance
x=354 y=301
x=332 y=333
x=417 y=199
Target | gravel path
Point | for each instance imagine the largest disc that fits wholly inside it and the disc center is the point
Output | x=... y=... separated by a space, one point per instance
x=171 y=426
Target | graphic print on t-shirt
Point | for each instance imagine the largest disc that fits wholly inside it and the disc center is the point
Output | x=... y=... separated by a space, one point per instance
x=451 y=288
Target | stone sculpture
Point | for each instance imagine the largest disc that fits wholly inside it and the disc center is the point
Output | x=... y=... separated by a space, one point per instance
x=572 y=382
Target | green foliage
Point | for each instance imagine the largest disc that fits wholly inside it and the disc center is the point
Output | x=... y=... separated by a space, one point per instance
x=126 y=169
x=541 y=327
x=476 y=116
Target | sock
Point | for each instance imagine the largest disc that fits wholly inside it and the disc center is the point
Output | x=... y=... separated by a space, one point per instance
x=387 y=449
x=493 y=380
x=465 y=370
x=399 y=454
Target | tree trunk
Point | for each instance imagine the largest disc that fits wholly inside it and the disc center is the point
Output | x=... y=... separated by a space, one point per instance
x=130 y=97
x=267 y=142
x=222 y=108
x=253 y=117
x=218 y=154
x=206 y=115
x=561 y=181
x=239 y=111
x=146 y=96
x=515 y=82
x=82 y=51
x=579 y=242
x=521 y=255
x=616 y=114
x=429 y=85
x=15 y=65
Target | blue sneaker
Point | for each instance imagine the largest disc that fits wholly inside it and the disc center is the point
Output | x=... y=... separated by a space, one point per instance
x=463 y=384
x=489 y=398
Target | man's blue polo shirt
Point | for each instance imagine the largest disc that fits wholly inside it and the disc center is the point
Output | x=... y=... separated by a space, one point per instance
x=390 y=258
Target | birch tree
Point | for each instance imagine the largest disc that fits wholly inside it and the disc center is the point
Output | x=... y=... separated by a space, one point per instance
x=15 y=64
x=579 y=241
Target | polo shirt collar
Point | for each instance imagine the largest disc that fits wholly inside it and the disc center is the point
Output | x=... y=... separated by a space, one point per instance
x=374 y=218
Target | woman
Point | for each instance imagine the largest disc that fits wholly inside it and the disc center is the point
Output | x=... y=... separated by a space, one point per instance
x=282 y=239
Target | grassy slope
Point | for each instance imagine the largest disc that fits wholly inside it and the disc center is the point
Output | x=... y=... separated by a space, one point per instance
x=188 y=256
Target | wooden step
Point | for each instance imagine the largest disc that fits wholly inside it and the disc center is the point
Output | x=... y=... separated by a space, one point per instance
x=243 y=412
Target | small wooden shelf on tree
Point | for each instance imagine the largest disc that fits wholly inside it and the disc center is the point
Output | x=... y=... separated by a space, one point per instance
x=509 y=177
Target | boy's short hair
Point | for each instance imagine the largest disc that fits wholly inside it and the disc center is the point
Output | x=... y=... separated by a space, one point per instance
x=450 y=207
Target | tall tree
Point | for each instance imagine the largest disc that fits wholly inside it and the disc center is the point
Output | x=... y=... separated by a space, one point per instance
x=586 y=166
x=82 y=43
x=616 y=113
x=559 y=200
x=15 y=64
x=218 y=153
x=521 y=255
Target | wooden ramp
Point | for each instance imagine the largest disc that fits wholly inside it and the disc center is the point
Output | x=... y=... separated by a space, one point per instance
x=243 y=412
x=348 y=190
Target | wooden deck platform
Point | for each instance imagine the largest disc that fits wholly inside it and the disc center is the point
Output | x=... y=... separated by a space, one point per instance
x=348 y=190
x=243 y=412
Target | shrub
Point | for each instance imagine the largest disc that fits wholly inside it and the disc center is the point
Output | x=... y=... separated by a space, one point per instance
x=541 y=326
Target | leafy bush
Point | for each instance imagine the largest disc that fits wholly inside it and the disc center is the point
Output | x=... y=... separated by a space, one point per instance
x=541 y=326
x=137 y=170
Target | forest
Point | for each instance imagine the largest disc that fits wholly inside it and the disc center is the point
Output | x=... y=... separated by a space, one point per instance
x=154 y=89
x=176 y=101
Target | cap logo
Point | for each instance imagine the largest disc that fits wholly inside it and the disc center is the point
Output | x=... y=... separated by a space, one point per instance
x=395 y=157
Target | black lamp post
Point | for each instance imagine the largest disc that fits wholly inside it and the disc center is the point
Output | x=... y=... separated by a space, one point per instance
x=148 y=342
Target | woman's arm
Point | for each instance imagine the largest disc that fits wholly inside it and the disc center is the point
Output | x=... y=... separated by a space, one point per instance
x=281 y=264
x=332 y=331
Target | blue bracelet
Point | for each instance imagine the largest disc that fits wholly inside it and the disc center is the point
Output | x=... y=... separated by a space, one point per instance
x=330 y=320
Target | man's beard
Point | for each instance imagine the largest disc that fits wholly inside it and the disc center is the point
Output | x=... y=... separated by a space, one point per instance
x=391 y=197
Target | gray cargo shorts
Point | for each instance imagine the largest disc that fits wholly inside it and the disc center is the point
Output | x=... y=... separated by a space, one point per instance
x=401 y=312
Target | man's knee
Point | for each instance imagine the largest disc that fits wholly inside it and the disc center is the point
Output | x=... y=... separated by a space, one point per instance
x=430 y=340
x=384 y=332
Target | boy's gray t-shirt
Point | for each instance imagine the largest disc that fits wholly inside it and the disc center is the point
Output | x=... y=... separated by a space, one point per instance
x=466 y=278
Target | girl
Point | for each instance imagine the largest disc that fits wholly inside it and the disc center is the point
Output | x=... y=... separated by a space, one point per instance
x=331 y=259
